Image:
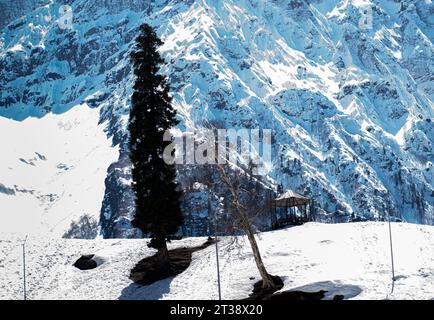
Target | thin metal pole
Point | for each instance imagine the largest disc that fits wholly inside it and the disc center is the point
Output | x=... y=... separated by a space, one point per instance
x=24 y=269
x=391 y=253
x=217 y=254
x=218 y=267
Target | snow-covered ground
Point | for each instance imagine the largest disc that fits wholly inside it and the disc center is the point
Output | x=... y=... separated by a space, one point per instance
x=52 y=170
x=349 y=259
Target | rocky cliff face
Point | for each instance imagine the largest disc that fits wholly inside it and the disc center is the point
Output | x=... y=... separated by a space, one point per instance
x=12 y=10
x=346 y=87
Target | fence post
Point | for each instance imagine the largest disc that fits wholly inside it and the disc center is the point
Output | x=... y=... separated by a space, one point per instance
x=24 y=268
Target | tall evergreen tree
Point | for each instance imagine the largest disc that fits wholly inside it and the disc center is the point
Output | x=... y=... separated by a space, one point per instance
x=157 y=201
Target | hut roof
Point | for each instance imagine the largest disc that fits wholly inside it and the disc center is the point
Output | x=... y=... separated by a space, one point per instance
x=291 y=199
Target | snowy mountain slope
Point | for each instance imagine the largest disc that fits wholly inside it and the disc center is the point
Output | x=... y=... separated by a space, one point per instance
x=351 y=259
x=52 y=170
x=11 y=10
x=351 y=107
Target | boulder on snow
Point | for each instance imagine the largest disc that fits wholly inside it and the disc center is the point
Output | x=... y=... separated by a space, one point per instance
x=86 y=262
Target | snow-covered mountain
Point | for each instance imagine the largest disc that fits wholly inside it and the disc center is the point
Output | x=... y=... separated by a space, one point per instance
x=351 y=259
x=53 y=170
x=345 y=85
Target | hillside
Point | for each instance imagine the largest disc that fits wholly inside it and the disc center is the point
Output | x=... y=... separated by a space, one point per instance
x=350 y=259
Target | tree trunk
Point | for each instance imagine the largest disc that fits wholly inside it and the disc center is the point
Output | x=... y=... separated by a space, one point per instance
x=163 y=256
x=267 y=281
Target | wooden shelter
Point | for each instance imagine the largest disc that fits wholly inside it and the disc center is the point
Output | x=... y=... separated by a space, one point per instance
x=294 y=207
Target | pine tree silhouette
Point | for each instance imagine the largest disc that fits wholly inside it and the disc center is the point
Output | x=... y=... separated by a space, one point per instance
x=158 y=212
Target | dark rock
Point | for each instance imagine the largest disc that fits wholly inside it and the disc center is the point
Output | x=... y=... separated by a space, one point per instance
x=86 y=262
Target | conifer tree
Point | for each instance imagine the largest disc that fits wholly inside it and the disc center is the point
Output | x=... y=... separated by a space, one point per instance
x=158 y=213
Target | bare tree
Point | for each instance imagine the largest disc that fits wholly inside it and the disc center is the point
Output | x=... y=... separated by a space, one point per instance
x=241 y=202
x=237 y=185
